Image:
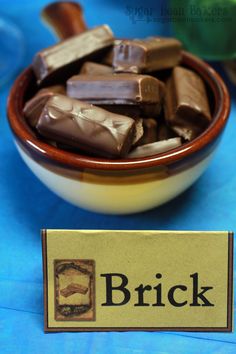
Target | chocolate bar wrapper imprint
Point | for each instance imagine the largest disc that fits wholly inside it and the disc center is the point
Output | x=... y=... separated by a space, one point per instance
x=87 y=127
x=33 y=108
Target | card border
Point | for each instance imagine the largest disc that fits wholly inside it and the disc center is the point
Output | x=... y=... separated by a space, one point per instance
x=228 y=328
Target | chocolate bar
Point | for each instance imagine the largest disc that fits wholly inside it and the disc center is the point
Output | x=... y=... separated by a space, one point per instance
x=138 y=133
x=131 y=111
x=144 y=56
x=108 y=57
x=60 y=61
x=87 y=127
x=33 y=108
x=149 y=132
x=164 y=132
x=186 y=105
x=74 y=288
x=90 y=68
x=121 y=89
x=155 y=148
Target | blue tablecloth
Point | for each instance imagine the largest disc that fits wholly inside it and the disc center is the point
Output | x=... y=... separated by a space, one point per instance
x=27 y=206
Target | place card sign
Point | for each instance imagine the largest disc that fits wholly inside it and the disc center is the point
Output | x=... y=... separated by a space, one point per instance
x=104 y=280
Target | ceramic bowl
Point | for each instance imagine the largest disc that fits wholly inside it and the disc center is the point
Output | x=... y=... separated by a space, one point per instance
x=119 y=186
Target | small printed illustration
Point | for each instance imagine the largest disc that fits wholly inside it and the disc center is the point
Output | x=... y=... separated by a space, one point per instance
x=74 y=290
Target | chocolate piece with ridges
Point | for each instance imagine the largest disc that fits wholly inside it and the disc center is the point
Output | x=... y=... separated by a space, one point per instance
x=144 y=56
x=65 y=18
x=84 y=126
x=33 y=108
x=122 y=89
x=90 y=68
x=157 y=147
x=60 y=61
x=186 y=104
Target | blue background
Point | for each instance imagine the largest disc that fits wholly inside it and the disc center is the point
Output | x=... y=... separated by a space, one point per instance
x=27 y=206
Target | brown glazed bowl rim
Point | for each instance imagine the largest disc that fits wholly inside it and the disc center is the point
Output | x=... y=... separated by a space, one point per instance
x=75 y=160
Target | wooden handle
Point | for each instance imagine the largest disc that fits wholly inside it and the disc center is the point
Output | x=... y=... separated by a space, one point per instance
x=65 y=18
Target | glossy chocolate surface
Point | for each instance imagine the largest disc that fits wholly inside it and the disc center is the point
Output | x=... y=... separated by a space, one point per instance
x=144 y=56
x=91 y=68
x=33 y=108
x=86 y=127
x=121 y=89
x=60 y=61
x=186 y=104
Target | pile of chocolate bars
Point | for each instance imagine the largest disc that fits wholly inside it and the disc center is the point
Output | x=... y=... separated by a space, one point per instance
x=116 y=98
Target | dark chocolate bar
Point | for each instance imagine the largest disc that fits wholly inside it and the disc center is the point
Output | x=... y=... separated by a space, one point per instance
x=121 y=89
x=60 y=61
x=90 y=68
x=33 y=108
x=144 y=56
x=186 y=104
x=86 y=127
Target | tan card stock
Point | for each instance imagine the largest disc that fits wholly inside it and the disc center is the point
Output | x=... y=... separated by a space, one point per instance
x=104 y=280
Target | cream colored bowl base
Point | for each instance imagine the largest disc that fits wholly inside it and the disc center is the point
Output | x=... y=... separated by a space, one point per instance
x=112 y=198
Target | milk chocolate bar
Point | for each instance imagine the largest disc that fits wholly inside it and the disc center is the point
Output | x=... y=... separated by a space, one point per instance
x=118 y=89
x=164 y=132
x=138 y=133
x=33 y=108
x=132 y=111
x=149 y=132
x=186 y=105
x=144 y=56
x=90 y=68
x=60 y=61
x=155 y=148
x=108 y=57
x=84 y=126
